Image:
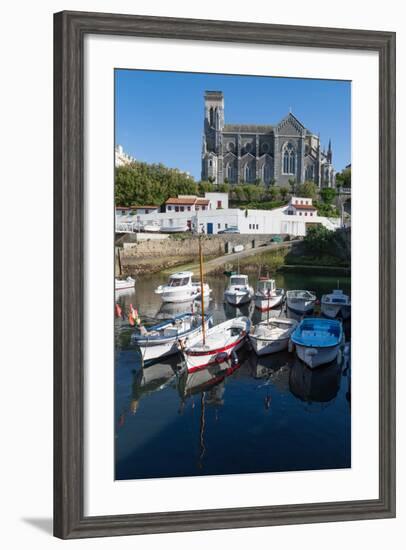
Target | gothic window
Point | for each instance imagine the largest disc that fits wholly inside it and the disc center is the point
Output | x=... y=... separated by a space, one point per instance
x=289 y=159
x=211 y=117
x=266 y=173
x=231 y=146
x=265 y=147
x=248 y=147
x=229 y=172
x=247 y=173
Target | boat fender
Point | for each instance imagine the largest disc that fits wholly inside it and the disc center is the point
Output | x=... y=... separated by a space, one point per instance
x=221 y=357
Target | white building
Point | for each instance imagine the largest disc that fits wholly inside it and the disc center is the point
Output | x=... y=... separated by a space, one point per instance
x=192 y=203
x=121 y=158
x=301 y=206
x=212 y=215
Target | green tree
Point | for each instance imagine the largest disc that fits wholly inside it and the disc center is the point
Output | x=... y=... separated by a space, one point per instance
x=284 y=192
x=328 y=194
x=344 y=177
x=292 y=184
x=307 y=189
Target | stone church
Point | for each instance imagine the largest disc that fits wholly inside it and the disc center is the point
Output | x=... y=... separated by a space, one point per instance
x=248 y=153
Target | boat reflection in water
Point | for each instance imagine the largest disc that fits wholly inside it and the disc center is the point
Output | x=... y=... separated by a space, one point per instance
x=231 y=312
x=153 y=378
x=319 y=386
x=169 y=309
x=210 y=384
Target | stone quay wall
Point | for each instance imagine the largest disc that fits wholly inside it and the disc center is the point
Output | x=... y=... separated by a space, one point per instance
x=155 y=255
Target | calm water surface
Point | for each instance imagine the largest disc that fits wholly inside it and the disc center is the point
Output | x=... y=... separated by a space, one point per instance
x=265 y=414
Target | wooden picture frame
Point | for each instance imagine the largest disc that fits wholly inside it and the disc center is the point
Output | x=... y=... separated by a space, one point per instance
x=70 y=30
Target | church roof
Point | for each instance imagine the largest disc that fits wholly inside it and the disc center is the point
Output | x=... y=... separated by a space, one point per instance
x=249 y=128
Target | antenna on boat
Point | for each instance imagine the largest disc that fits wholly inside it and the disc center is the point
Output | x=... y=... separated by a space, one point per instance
x=201 y=288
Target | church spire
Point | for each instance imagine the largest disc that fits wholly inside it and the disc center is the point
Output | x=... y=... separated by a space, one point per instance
x=329 y=152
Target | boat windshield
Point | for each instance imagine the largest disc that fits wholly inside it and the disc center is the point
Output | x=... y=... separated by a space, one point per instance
x=178 y=281
x=266 y=285
x=238 y=281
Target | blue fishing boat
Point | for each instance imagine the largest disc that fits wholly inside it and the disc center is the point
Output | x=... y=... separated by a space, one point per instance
x=163 y=339
x=317 y=341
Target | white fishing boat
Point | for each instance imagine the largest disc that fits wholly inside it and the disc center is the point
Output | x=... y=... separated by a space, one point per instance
x=215 y=345
x=151 y=227
x=267 y=296
x=317 y=341
x=239 y=291
x=174 y=228
x=121 y=284
x=300 y=301
x=162 y=340
x=181 y=288
x=272 y=335
x=336 y=304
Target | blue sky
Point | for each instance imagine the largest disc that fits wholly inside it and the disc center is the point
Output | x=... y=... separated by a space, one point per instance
x=159 y=115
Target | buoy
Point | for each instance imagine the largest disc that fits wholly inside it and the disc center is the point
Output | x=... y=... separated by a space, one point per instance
x=118 y=311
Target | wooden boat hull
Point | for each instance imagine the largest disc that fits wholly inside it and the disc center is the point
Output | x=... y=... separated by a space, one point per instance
x=264 y=346
x=124 y=284
x=301 y=307
x=263 y=303
x=153 y=349
x=315 y=356
x=220 y=344
x=237 y=298
x=187 y=295
x=198 y=361
x=332 y=311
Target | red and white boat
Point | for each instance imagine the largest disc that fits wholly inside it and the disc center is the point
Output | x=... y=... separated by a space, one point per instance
x=267 y=296
x=216 y=344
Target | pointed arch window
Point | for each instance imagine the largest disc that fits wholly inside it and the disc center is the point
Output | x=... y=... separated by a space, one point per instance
x=266 y=173
x=229 y=172
x=289 y=159
x=248 y=172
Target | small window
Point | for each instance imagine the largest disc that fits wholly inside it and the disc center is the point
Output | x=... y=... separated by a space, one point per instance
x=300 y=213
x=257 y=226
x=305 y=213
x=219 y=203
x=311 y=213
x=176 y=208
x=169 y=207
x=226 y=225
x=188 y=208
x=182 y=208
x=219 y=226
x=301 y=202
x=146 y=211
x=203 y=208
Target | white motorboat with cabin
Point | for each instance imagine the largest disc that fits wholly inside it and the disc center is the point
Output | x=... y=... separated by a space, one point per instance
x=317 y=341
x=272 y=335
x=163 y=339
x=239 y=291
x=336 y=304
x=121 y=284
x=181 y=288
x=215 y=345
x=267 y=296
x=300 y=301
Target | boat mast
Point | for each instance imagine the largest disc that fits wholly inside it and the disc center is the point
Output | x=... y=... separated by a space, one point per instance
x=201 y=289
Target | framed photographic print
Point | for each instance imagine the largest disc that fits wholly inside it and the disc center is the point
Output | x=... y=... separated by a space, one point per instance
x=224 y=274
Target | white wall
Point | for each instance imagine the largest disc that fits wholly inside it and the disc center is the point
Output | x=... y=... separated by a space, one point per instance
x=26 y=351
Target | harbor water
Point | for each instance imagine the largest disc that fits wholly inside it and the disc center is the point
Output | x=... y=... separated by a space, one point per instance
x=266 y=414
